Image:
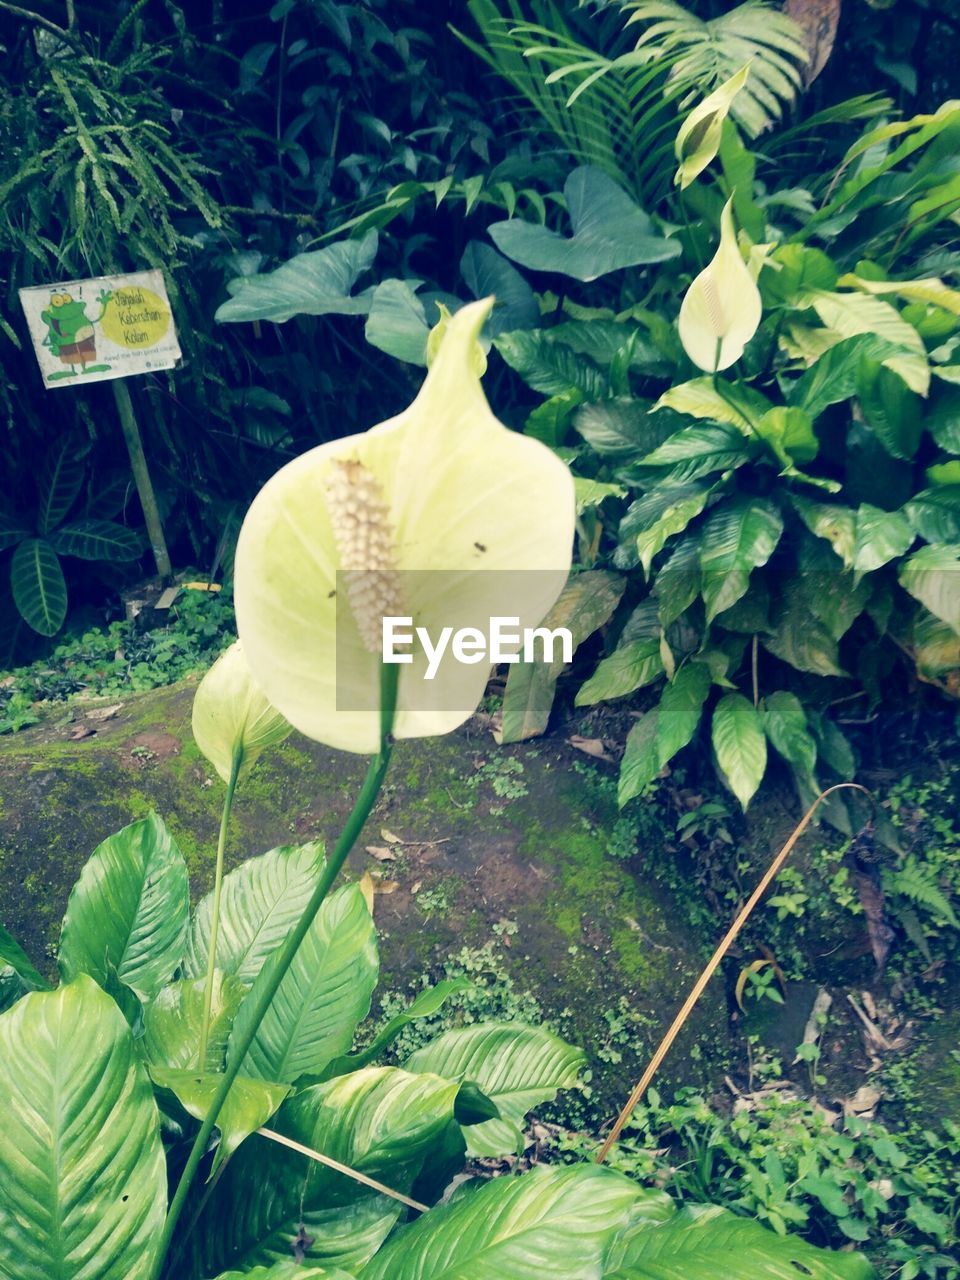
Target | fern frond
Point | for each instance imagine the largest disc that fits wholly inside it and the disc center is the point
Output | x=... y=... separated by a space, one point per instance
x=919 y=884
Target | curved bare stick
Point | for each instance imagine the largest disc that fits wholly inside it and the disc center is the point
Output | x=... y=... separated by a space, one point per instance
x=701 y=983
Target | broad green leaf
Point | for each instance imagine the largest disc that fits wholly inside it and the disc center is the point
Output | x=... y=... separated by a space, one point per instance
x=932 y=576
x=609 y=232
x=173 y=1020
x=60 y=483
x=248 y=1105
x=128 y=913
x=84 y=1188
x=426 y=1004
x=610 y=340
x=38 y=585
x=833 y=747
x=945 y=473
x=516 y=1067
x=17 y=974
x=548 y=422
x=833 y=377
x=738 y=405
x=619 y=427
x=677 y=583
x=850 y=314
x=632 y=666
x=838 y=525
x=585 y=604
x=789 y=433
x=738 y=537
x=931 y=291
x=288 y=1270
x=741 y=747
x=556 y=1223
x=641 y=757
x=936 y=647
x=785 y=724
x=311 y=284
x=693 y=452
x=488 y=274
x=893 y=411
x=881 y=536
x=397 y=321
x=935 y=513
x=323 y=996
x=943 y=420
x=801 y=639
x=261 y=901
x=382 y=1122
x=674 y=519
x=97 y=540
x=550 y=367
x=705 y=1242
x=681 y=706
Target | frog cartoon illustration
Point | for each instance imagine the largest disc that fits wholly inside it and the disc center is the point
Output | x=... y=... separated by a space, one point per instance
x=70 y=334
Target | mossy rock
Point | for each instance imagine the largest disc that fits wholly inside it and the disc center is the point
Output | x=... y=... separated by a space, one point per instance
x=486 y=835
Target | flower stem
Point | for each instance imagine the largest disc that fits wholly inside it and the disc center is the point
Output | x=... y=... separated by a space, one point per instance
x=348 y=836
x=215 y=915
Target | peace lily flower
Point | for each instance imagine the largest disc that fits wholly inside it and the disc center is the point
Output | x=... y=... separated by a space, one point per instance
x=439 y=514
x=232 y=720
x=721 y=310
x=698 y=138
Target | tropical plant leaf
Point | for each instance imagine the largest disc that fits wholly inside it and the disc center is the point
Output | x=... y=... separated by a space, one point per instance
x=17 y=973
x=324 y=994
x=632 y=666
x=681 y=706
x=382 y=1122
x=720 y=401
x=833 y=376
x=693 y=452
x=619 y=428
x=893 y=411
x=487 y=272
x=38 y=585
x=261 y=901
x=641 y=757
x=562 y=1219
x=288 y=1270
x=881 y=536
x=738 y=537
x=84 y=1191
x=785 y=724
x=703 y=1242
x=932 y=576
x=127 y=915
x=426 y=1004
x=60 y=483
x=674 y=519
x=741 y=747
x=248 y=1105
x=943 y=420
x=935 y=513
x=97 y=540
x=609 y=232
x=397 y=321
x=516 y=1067
x=550 y=367
x=586 y=603
x=173 y=1021
x=311 y=284
x=836 y=524
x=849 y=314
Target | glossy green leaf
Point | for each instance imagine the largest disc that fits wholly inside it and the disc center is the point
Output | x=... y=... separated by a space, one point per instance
x=38 y=585
x=630 y=667
x=800 y=638
x=17 y=973
x=487 y=273
x=881 y=536
x=517 y=1067
x=674 y=519
x=740 y=745
x=705 y=1242
x=936 y=646
x=836 y=524
x=850 y=314
x=97 y=540
x=557 y=1221
x=261 y=901
x=785 y=724
x=833 y=377
x=382 y=1122
x=128 y=913
x=677 y=584
x=60 y=483
x=935 y=513
x=618 y=428
x=551 y=367
x=288 y=1270
x=681 y=706
x=84 y=1188
x=738 y=537
x=737 y=405
x=586 y=603
x=641 y=757
x=609 y=232
x=248 y=1105
x=943 y=419
x=397 y=321
x=311 y=284
x=426 y=1004
x=932 y=576
x=173 y=1020
x=789 y=433
x=893 y=411
x=323 y=996
x=697 y=451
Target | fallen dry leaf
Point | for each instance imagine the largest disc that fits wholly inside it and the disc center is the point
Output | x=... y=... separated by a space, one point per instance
x=863 y=1103
x=381 y=853
x=817 y=1020
x=818 y=20
x=390 y=837
x=367 y=889
x=80 y=731
x=592 y=747
x=103 y=713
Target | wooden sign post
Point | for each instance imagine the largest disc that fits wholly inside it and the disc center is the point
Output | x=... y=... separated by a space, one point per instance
x=102 y=330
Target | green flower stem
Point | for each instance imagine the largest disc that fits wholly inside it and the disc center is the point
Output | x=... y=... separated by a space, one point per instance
x=354 y=824
x=215 y=921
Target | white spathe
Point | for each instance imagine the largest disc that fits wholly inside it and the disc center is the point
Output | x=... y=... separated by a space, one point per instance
x=721 y=310
x=461 y=506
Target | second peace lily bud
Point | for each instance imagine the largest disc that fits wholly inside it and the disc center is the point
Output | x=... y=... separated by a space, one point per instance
x=698 y=138
x=721 y=311
x=232 y=720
